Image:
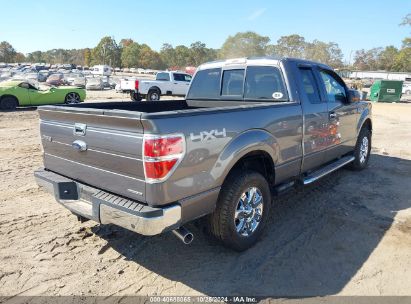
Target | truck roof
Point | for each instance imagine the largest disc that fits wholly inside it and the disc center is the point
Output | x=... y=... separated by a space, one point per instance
x=255 y=60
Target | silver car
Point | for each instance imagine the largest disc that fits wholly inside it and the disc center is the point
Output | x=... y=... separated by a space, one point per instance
x=94 y=84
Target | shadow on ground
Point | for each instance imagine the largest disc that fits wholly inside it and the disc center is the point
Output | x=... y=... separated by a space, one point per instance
x=317 y=240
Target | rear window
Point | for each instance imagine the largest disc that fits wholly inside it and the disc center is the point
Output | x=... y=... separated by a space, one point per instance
x=233 y=82
x=163 y=76
x=264 y=82
x=206 y=85
x=260 y=83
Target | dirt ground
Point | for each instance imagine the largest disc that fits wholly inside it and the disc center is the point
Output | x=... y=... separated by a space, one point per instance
x=350 y=234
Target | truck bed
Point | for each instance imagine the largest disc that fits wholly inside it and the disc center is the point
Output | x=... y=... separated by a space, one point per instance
x=113 y=134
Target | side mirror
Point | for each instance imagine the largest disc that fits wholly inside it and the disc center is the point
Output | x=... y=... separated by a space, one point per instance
x=354 y=96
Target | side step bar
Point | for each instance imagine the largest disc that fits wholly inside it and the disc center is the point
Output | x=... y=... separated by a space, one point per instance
x=312 y=177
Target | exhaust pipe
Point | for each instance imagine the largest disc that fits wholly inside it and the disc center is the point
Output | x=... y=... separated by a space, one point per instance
x=184 y=235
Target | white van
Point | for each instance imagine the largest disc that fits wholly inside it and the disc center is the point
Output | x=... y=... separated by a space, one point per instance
x=102 y=70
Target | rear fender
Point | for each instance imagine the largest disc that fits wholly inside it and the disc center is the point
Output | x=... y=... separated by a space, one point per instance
x=249 y=141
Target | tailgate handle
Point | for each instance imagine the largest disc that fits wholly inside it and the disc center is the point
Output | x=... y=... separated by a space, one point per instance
x=79 y=145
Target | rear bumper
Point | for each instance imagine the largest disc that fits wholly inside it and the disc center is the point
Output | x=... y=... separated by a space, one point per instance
x=107 y=208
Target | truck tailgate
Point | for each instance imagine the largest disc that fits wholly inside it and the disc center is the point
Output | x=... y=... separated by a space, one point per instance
x=102 y=148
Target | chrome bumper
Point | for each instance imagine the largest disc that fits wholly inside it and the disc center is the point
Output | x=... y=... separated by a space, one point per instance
x=106 y=208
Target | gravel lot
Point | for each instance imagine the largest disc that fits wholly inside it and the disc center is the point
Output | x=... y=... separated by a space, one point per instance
x=350 y=234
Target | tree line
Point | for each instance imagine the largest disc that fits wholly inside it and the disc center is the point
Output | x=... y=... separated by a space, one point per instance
x=389 y=58
x=129 y=53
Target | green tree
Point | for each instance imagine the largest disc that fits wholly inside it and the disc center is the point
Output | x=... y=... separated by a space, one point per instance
x=36 y=56
x=289 y=46
x=243 y=45
x=107 y=52
x=87 y=57
x=386 y=58
x=149 y=59
x=199 y=53
x=125 y=42
x=168 y=55
x=327 y=53
x=7 y=52
x=19 y=57
x=402 y=61
x=130 y=55
x=183 y=56
x=367 y=60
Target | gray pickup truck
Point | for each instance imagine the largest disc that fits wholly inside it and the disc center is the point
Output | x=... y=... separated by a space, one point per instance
x=248 y=129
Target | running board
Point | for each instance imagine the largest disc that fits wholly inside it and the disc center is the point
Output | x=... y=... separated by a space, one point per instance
x=312 y=177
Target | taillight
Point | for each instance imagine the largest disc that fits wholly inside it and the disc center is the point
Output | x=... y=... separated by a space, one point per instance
x=161 y=155
x=136 y=84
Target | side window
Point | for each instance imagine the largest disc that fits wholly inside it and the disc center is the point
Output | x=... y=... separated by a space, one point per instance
x=178 y=77
x=24 y=85
x=163 y=76
x=309 y=85
x=233 y=81
x=333 y=87
x=264 y=82
x=206 y=84
x=182 y=77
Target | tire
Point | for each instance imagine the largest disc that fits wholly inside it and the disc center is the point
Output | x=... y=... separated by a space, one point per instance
x=362 y=150
x=408 y=92
x=8 y=103
x=229 y=222
x=153 y=95
x=135 y=96
x=72 y=98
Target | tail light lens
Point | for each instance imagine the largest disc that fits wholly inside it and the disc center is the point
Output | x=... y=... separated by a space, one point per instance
x=162 y=154
x=136 y=83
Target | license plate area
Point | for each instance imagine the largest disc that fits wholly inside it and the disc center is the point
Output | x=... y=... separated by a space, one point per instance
x=67 y=191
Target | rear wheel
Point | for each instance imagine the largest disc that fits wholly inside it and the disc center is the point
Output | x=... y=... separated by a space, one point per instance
x=153 y=95
x=362 y=150
x=135 y=96
x=8 y=103
x=242 y=210
x=72 y=98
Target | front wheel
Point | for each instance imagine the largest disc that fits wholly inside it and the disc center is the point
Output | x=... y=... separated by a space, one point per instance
x=362 y=150
x=8 y=103
x=242 y=210
x=72 y=98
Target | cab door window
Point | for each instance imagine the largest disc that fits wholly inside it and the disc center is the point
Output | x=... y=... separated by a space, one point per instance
x=333 y=86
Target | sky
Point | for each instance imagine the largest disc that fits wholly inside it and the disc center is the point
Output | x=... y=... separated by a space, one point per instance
x=48 y=24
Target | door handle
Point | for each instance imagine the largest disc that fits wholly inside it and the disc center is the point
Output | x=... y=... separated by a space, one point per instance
x=333 y=115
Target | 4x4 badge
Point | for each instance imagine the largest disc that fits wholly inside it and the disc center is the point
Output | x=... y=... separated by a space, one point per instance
x=208 y=135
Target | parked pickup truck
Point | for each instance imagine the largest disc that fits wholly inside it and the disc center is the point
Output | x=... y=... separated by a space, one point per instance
x=172 y=83
x=247 y=130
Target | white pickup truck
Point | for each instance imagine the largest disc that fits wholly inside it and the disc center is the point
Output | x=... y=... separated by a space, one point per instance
x=171 y=83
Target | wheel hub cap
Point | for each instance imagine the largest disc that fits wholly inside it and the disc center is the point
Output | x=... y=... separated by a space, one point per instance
x=364 y=150
x=249 y=211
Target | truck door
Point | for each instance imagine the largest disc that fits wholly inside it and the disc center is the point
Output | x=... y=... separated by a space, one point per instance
x=315 y=112
x=342 y=115
x=181 y=84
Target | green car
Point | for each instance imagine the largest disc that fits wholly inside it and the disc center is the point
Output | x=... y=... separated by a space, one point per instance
x=22 y=93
